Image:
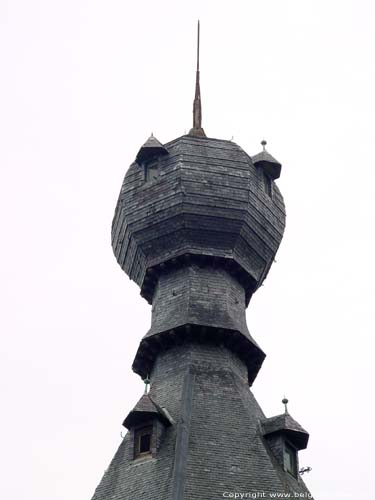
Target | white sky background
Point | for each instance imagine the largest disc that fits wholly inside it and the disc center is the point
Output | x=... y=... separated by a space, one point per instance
x=83 y=84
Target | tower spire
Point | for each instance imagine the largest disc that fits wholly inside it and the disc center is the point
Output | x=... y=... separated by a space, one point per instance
x=197 y=129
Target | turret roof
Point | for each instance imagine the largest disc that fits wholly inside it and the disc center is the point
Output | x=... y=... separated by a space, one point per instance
x=152 y=147
x=291 y=428
x=146 y=409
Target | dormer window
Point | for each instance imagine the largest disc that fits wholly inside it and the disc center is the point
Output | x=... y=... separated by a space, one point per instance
x=285 y=437
x=267 y=163
x=290 y=459
x=142 y=442
x=146 y=423
x=148 y=157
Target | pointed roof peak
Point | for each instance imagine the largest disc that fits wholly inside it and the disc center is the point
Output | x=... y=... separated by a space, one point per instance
x=144 y=410
x=152 y=147
x=197 y=129
x=152 y=142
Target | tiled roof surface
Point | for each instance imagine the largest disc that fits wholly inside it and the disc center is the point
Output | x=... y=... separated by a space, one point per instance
x=285 y=423
x=216 y=444
x=145 y=409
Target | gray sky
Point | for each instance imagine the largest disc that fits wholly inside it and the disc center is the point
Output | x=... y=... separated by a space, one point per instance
x=83 y=84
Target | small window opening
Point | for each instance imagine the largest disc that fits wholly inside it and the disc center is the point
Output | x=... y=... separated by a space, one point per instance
x=290 y=460
x=267 y=185
x=142 y=442
x=145 y=443
x=151 y=170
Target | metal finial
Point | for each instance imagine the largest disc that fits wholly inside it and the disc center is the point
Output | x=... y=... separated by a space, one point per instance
x=197 y=107
x=147 y=382
x=197 y=129
x=264 y=144
x=198 y=43
x=285 y=403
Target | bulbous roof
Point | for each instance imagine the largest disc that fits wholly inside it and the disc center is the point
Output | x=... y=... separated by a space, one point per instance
x=201 y=198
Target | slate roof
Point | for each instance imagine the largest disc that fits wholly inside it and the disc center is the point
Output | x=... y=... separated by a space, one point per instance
x=216 y=444
x=151 y=148
x=199 y=302
x=144 y=410
x=287 y=425
x=270 y=165
x=207 y=205
x=208 y=199
x=199 y=236
x=264 y=156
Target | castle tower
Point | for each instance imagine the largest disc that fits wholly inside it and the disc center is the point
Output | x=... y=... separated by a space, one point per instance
x=197 y=226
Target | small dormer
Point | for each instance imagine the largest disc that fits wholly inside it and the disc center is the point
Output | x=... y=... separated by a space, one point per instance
x=146 y=424
x=267 y=163
x=148 y=157
x=285 y=438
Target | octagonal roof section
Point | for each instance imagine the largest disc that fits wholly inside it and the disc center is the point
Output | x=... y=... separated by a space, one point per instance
x=200 y=197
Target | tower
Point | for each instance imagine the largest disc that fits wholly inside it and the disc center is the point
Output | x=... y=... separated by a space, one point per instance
x=197 y=226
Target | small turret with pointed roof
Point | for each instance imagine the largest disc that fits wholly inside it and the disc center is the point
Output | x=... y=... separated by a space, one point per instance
x=284 y=425
x=267 y=162
x=152 y=148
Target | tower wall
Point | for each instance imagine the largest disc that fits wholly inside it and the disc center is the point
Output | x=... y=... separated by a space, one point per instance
x=203 y=296
x=203 y=303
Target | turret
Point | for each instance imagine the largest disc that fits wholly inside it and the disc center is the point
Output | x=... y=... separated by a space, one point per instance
x=197 y=226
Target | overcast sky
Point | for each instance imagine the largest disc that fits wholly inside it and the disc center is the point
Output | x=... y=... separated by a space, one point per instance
x=83 y=84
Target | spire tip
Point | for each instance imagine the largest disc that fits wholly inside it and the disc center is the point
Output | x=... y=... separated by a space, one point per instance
x=197 y=129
